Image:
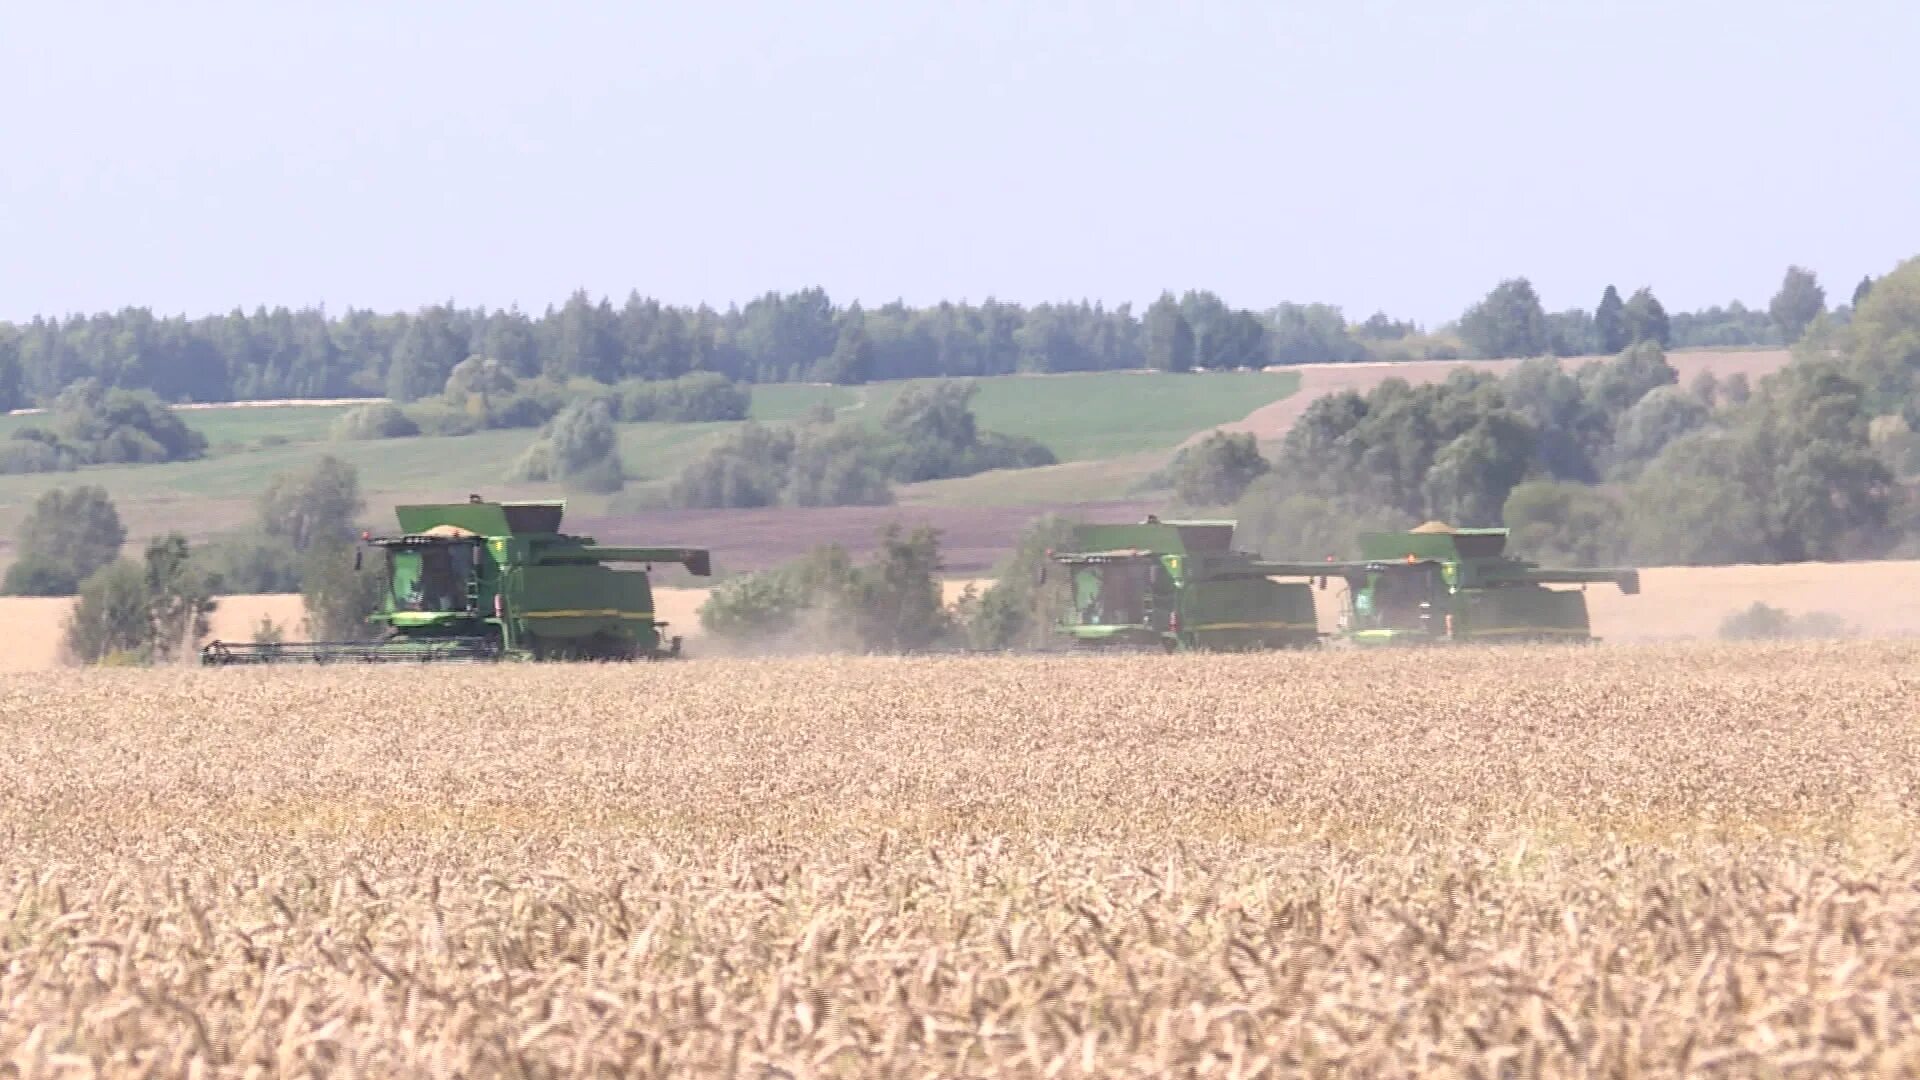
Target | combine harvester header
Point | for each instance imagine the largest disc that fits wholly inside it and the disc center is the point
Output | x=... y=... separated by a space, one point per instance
x=483 y=580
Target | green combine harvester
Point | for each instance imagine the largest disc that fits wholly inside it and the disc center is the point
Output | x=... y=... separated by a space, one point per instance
x=1180 y=585
x=1437 y=583
x=481 y=581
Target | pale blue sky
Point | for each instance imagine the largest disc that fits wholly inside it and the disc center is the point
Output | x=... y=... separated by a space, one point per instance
x=1397 y=155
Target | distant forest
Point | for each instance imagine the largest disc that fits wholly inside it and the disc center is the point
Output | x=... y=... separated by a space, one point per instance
x=800 y=336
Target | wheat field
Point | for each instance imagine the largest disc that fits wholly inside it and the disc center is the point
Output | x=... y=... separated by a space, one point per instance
x=1611 y=861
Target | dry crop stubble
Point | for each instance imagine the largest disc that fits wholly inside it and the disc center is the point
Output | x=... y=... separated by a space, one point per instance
x=1477 y=862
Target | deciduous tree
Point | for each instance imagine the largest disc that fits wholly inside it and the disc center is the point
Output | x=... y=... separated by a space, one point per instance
x=69 y=534
x=1798 y=302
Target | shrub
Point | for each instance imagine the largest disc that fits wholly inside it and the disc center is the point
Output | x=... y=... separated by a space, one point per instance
x=751 y=469
x=444 y=420
x=1019 y=609
x=380 y=420
x=69 y=534
x=103 y=426
x=34 y=451
x=1764 y=622
x=92 y=425
x=931 y=434
x=824 y=601
x=250 y=562
x=698 y=397
x=579 y=448
x=310 y=504
x=836 y=466
x=1217 y=470
x=146 y=612
x=340 y=591
x=927 y=434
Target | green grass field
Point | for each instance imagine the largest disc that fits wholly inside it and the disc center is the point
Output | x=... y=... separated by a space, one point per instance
x=237 y=426
x=1108 y=429
x=466 y=462
x=1080 y=417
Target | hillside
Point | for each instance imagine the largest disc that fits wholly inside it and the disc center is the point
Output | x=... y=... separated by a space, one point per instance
x=1082 y=418
x=1111 y=430
x=1121 y=475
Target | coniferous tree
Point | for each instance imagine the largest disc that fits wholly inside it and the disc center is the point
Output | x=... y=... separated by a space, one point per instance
x=1861 y=290
x=1610 y=322
x=1169 y=336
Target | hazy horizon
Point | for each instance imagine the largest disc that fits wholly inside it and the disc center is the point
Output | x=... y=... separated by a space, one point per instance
x=1385 y=156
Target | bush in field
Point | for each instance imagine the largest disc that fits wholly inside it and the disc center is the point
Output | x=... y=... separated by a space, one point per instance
x=825 y=601
x=91 y=424
x=339 y=591
x=313 y=503
x=145 y=612
x=249 y=561
x=1764 y=622
x=815 y=465
x=1024 y=602
x=836 y=465
x=931 y=434
x=749 y=470
x=928 y=433
x=1217 y=470
x=69 y=534
x=698 y=397
x=579 y=448
x=379 y=420
x=1281 y=523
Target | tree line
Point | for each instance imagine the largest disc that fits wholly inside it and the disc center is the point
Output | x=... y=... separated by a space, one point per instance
x=796 y=336
x=1614 y=460
x=1511 y=321
x=778 y=337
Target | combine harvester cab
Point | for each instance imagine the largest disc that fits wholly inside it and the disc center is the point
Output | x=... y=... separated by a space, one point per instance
x=1179 y=585
x=1437 y=583
x=479 y=581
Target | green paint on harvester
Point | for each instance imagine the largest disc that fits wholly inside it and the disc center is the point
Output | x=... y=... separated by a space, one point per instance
x=1438 y=583
x=486 y=581
x=1178 y=585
